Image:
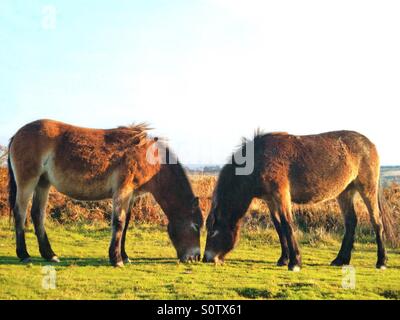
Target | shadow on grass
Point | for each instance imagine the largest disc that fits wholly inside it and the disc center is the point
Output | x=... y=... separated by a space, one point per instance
x=306 y=264
x=65 y=261
x=254 y=293
x=247 y=261
x=101 y=262
x=71 y=261
x=94 y=262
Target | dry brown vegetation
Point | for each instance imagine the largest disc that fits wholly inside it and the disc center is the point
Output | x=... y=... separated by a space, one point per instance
x=324 y=216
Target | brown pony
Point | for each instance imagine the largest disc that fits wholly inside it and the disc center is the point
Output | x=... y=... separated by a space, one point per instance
x=94 y=164
x=303 y=170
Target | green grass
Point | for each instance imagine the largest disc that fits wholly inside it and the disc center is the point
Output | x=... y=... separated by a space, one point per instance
x=249 y=272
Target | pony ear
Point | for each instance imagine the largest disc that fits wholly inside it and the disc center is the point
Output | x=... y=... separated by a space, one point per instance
x=195 y=202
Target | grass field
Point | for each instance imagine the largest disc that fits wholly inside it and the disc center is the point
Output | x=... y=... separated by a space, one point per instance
x=249 y=272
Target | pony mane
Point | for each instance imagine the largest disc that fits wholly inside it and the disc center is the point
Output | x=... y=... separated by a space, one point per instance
x=142 y=126
x=174 y=168
x=180 y=173
x=227 y=171
x=139 y=131
x=258 y=134
x=257 y=137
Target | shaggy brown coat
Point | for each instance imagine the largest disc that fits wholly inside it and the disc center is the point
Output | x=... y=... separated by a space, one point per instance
x=95 y=164
x=299 y=169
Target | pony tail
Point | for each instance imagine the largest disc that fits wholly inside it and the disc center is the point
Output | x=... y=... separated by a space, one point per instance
x=389 y=226
x=12 y=185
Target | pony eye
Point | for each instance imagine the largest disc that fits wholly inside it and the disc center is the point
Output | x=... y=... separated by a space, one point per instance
x=194 y=226
x=214 y=234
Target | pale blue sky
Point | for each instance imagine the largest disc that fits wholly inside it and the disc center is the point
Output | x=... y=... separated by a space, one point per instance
x=206 y=72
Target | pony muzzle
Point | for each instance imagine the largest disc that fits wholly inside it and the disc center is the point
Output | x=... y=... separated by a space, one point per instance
x=210 y=256
x=192 y=255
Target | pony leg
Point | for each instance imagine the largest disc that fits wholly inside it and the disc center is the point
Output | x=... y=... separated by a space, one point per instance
x=120 y=207
x=283 y=202
x=38 y=214
x=284 y=258
x=346 y=203
x=21 y=205
x=370 y=197
x=124 y=255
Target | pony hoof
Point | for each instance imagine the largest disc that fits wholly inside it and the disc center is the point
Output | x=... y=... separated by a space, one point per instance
x=295 y=268
x=339 y=263
x=282 y=262
x=26 y=260
x=54 y=259
x=119 y=264
x=127 y=260
x=381 y=267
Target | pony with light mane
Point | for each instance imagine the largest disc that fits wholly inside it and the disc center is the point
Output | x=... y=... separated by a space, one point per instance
x=95 y=164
